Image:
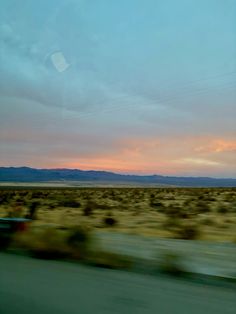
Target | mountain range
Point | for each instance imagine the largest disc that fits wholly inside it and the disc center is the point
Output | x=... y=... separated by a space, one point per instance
x=32 y=175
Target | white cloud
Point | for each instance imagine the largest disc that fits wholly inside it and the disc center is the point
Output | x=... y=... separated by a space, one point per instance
x=199 y=161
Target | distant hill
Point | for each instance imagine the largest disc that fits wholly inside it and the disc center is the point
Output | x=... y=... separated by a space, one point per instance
x=31 y=175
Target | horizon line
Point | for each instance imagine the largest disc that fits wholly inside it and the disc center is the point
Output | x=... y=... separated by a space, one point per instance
x=125 y=174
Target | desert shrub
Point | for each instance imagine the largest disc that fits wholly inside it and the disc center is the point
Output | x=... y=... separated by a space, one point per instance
x=37 y=194
x=110 y=221
x=16 y=210
x=223 y=225
x=208 y=221
x=228 y=221
x=201 y=197
x=170 y=198
x=4 y=199
x=223 y=209
x=201 y=207
x=79 y=240
x=109 y=260
x=233 y=207
x=67 y=202
x=171 y=264
x=52 y=206
x=172 y=224
x=173 y=211
x=47 y=244
x=88 y=209
x=94 y=205
x=104 y=206
x=154 y=203
x=54 y=243
x=210 y=199
x=189 y=201
x=33 y=206
x=152 y=196
x=188 y=232
x=229 y=197
x=184 y=215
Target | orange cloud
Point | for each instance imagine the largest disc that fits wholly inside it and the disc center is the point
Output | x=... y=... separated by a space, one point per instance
x=218 y=146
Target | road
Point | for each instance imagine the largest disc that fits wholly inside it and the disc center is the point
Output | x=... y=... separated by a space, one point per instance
x=31 y=286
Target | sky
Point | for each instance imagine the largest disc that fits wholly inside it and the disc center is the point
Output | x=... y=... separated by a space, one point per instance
x=129 y=86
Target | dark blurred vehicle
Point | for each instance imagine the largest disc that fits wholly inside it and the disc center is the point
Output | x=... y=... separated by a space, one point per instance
x=8 y=227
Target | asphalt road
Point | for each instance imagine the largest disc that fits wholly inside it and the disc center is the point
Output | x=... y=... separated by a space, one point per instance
x=30 y=286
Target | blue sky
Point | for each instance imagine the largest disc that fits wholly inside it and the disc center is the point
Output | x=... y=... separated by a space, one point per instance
x=129 y=86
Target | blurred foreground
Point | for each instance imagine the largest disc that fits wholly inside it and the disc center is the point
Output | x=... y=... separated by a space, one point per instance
x=34 y=286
